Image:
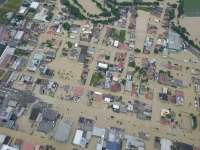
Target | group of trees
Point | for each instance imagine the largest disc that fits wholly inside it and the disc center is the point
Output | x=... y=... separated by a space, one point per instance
x=110 y=4
x=194 y=118
x=180 y=8
x=74 y=10
x=50 y=16
x=66 y=26
x=100 y=6
x=172 y=14
x=172 y=5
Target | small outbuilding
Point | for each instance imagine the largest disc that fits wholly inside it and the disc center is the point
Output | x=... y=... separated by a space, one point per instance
x=34 y=5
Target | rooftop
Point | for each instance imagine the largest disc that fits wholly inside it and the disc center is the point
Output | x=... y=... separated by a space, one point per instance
x=63 y=130
x=173 y=41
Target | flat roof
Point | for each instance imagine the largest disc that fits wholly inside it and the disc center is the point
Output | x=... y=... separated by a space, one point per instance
x=99 y=132
x=103 y=65
x=6 y=147
x=174 y=41
x=77 y=137
x=63 y=130
x=2 y=138
x=34 y=5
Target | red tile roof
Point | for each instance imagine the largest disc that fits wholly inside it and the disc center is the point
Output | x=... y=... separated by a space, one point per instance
x=165 y=121
x=78 y=91
x=148 y=96
x=121 y=45
x=141 y=107
x=121 y=65
x=126 y=46
x=114 y=87
x=97 y=97
x=108 y=29
x=179 y=94
x=85 y=69
x=134 y=90
x=150 y=77
x=28 y=146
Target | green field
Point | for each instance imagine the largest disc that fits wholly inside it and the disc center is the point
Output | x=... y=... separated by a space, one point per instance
x=192 y=7
x=147 y=9
x=10 y=6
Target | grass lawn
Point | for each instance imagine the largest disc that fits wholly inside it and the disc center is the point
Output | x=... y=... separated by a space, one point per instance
x=13 y=4
x=122 y=36
x=147 y=9
x=95 y=78
x=2 y=12
x=113 y=33
x=192 y=7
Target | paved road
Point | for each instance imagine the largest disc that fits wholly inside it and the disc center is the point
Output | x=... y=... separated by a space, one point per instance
x=1 y=5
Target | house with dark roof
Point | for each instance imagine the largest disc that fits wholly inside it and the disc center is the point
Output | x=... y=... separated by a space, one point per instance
x=34 y=114
x=83 y=55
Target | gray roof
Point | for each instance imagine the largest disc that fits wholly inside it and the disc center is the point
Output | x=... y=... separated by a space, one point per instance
x=12 y=103
x=63 y=130
x=141 y=116
x=81 y=58
x=142 y=89
x=99 y=132
x=174 y=41
x=7 y=76
x=51 y=54
x=128 y=86
x=83 y=55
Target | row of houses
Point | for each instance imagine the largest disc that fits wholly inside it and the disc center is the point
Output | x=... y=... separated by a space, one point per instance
x=5 y=144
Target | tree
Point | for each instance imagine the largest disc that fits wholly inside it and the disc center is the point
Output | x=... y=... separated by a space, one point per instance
x=155 y=51
x=168 y=116
x=123 y=81
x=131 y=64
x=184 y=30
x=69 y=44
x=137 y=50
x=31 y=10
x=66 y=26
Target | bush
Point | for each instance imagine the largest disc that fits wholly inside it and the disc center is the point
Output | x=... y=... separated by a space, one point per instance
x=194 y=118
x=137 y=50
x=123 y=81
x=131 y=64
x=66 y=26
x=69 y=44
x=155 y=51
x=169 y=116
x=50 y=16
x=107 y=57
x=31 y=10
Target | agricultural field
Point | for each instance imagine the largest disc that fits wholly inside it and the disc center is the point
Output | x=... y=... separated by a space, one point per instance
x=192 y=7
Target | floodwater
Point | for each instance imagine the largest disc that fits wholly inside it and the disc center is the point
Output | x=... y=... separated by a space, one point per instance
x=192 y=26
x=75 y=110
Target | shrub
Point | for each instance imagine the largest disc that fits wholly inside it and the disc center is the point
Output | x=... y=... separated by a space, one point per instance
x=168 y=116
x=137 y=50
x=131 y=64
